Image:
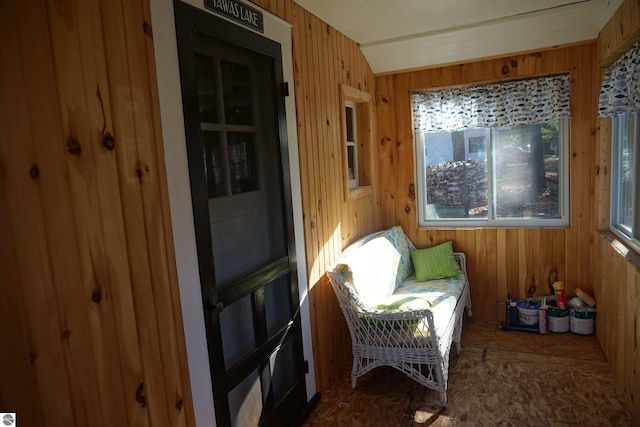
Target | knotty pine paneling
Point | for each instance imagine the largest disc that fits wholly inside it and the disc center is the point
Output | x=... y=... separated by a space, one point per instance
x=93 y=332
x=616 y=268
x=323 y=60
x=500 y=261
x=617 y=292
x=619 y=34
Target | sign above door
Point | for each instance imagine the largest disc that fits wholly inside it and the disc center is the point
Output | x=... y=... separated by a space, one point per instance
x=237 y=11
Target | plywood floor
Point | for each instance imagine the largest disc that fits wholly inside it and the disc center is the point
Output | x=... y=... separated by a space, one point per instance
x=500 y=379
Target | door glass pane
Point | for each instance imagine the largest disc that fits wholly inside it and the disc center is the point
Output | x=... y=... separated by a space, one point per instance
x=207 y=89
x=277 y=304
x=243 y=162
x=237 y=330
x=245 y=402
x=214 y=163
x=237 y=90
x=283 y=370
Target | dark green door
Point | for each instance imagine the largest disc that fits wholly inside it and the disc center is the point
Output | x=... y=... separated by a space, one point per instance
x=237 y=151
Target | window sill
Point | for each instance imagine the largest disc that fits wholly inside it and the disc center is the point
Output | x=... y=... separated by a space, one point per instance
x=626 y=251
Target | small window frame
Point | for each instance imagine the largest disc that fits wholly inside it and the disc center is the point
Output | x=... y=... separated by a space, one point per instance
x=351 y=140
x=361 y=184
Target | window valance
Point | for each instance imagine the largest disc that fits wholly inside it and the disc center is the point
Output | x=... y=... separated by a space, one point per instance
x=493 y=105
x=620 y=91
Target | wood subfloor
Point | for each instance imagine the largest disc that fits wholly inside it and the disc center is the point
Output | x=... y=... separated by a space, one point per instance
x=500 y=379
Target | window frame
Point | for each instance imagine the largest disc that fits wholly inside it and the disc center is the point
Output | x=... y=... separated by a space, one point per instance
x=632 y=236
x=363 y=116
x=491 y=221
x=352 y=143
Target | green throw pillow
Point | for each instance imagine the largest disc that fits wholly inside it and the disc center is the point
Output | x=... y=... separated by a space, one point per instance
x=435 y=263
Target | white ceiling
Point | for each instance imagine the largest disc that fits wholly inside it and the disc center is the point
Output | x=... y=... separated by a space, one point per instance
x=405 y=34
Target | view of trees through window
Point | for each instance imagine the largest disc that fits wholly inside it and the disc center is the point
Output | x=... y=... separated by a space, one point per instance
x=508 y=172
x=625 y=192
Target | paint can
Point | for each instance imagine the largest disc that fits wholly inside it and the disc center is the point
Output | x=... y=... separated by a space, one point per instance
x=582 y=321
x=558 y=319
x=528 y=314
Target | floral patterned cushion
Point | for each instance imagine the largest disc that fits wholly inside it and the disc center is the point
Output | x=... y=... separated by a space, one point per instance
x=377 y=264
x=442 y=294
x=379 y=268
x=400 y=242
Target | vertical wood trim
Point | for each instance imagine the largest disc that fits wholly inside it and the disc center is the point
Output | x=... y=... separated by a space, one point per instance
x=179 y=391
x=179 y=399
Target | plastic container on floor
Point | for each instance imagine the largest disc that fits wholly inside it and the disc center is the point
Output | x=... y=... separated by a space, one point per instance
x=582 y=321
x=528 y=314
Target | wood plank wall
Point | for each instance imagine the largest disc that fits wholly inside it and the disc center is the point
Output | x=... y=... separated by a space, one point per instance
x=323 y=60
x=500 y=261
x=89 y=309
x=615 y=268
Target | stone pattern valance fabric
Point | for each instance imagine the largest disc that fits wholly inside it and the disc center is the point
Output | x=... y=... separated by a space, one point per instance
x=512 y=103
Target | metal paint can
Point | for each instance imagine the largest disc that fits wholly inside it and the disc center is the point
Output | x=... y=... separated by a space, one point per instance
x=558 y=319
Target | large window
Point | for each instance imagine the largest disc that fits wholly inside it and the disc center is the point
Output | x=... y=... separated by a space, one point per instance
x=620 y=100
x=625 y=186
x=508 y=176
x=494 y=156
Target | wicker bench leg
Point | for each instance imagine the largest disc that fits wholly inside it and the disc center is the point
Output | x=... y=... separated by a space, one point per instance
x=443 y=400
x=354 y=369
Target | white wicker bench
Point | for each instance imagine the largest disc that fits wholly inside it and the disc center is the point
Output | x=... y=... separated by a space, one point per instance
x=394 y=320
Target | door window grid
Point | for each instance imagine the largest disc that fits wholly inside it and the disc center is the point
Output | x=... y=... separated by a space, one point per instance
x=225 y=103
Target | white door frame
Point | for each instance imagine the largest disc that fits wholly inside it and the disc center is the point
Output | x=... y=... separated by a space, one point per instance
x=175 y=151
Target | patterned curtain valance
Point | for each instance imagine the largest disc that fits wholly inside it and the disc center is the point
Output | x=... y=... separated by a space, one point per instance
x=620 y=91
x=502 y=104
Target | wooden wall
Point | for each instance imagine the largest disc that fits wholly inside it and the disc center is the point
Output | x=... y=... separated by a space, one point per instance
x=615 y=268
x=90 y=313
x=89 y=308
x=500 y=261
x=323 y=60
